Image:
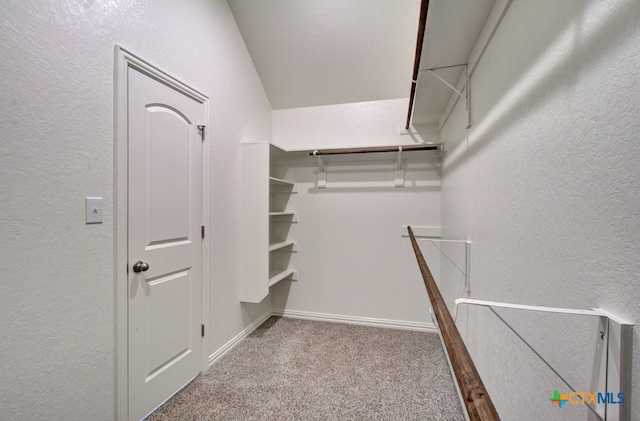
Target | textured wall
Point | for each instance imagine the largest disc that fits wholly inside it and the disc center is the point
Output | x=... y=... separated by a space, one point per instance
x=56 y=120
x=546 y=185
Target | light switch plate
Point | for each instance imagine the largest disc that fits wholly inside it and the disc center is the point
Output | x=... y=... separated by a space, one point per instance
x=93 y=210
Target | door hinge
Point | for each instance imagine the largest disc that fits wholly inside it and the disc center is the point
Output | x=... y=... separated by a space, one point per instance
x=201 y=130
x=203 y=231
x=202 y=330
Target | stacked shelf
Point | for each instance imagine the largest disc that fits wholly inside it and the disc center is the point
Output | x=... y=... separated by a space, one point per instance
x=281 y=245
x=280 y=220
x=277 y=275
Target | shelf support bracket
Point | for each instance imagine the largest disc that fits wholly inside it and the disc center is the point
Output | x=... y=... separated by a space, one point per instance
x=322 y=173
x=467 y=264
x=399 y=169
x=467 y=90
x=467 y=86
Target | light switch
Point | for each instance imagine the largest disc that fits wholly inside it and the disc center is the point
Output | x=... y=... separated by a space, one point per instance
x=93 y=209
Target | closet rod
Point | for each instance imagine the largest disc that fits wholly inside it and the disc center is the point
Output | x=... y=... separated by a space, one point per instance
x=374 y=150
x=476 y=398
x=424 y=11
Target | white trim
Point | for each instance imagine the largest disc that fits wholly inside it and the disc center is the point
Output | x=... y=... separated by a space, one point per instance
x=205 y=259
x=238 y=338
x=123 y=60
x=361 y=321
x=120 y=236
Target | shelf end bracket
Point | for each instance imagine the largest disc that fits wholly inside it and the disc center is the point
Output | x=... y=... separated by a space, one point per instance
x=399 y=169
x=322 y=173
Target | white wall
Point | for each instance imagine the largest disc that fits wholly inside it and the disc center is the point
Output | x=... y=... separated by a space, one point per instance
x=352 y=261
x=546 y=185
x=56 y=118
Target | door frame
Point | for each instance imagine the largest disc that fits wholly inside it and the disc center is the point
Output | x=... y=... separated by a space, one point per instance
x=123 y=61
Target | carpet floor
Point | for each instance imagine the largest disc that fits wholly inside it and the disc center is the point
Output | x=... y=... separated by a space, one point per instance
x=292 y=369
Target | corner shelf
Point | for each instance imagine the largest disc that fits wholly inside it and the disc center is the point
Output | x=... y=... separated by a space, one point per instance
x=277 y=276
x=281 y=245
x=293 y=215
x=282 y=213
x=279 y=181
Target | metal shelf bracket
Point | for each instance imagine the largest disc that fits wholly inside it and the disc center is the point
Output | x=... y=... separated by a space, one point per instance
x=611 y=376
x=466 y=89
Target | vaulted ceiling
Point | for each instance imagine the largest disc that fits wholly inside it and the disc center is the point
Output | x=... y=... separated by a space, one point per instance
x=321 y=52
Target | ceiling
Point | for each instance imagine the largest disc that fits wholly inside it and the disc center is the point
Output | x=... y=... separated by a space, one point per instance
x=321 y=52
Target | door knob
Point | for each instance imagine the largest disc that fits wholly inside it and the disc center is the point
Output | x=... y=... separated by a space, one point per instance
x=140 y=266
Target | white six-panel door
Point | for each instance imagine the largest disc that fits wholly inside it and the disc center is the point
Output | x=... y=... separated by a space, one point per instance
x=164 y=240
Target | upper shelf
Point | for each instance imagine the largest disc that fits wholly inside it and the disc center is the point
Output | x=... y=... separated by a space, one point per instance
x=282 y=186
x=454 y=35
x=279 y=181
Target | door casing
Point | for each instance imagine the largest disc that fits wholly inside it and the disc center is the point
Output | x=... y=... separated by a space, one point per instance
x=124 y=60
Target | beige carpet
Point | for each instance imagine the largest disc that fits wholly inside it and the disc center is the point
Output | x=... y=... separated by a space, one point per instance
x=291 y=369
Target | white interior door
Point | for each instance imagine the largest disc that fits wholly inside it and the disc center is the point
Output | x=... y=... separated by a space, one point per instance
x=164 y=240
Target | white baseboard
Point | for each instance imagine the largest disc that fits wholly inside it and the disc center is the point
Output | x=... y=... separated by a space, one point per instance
x=322 y=317
x=239 y=337
x=362 y=321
